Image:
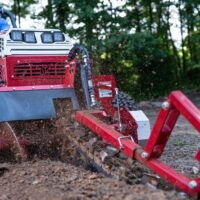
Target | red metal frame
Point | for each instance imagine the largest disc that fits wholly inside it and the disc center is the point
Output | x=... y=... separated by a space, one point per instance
x=107 y=82
x=176 y=104
x=99 y=84
x=35 y=87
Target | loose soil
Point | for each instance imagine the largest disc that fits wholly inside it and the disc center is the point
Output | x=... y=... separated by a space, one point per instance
x=56 y=170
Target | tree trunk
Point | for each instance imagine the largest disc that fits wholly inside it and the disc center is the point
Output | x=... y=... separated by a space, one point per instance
x=182 y=40
x=150 y=16
x=190 y=28
x=175 y=51
x=17 y=10
x=50 y=18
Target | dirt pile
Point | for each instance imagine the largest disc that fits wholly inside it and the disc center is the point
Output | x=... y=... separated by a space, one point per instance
x=46 y=179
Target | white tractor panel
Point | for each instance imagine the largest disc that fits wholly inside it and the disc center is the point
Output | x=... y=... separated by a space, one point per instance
x=10 y=47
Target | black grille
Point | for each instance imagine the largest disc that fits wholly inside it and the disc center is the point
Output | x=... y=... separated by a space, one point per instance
x=39 y=69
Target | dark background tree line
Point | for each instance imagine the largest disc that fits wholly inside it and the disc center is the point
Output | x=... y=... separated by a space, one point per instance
x=133 y=41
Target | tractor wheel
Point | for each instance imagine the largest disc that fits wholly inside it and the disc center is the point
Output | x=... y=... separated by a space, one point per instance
x=125 y=101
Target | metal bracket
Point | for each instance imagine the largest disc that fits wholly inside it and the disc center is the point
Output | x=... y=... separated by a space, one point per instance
x=124 y=137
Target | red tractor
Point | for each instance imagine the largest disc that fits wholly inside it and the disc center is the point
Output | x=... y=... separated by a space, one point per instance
x=38 y=66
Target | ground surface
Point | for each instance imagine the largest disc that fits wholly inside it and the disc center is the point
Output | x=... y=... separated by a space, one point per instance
x=45 y=178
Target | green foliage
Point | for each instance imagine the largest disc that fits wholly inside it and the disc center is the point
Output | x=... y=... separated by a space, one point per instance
x=195 y=42
x=141 y=65
x=193 y=75
x=179 y=143
x=21 y=8
x=153 y=64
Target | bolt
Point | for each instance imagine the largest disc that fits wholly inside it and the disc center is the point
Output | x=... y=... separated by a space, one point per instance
x=165 y=105
x=117 y=91
x=144 y=154
x=72 y=63
x=66 y=66
x=192 y=184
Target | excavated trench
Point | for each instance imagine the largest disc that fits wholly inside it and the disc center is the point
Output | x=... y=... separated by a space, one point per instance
x=45 y=138
x=62 y=140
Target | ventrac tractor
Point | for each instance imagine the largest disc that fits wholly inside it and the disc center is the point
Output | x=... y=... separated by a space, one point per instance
x=38 y=66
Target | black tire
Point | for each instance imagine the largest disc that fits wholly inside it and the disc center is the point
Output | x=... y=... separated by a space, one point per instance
x=125 y=101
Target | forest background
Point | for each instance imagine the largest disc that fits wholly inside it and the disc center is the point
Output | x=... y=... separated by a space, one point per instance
x=133 y=41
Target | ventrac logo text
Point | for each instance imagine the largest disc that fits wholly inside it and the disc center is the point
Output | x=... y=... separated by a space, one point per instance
x=44 y=70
